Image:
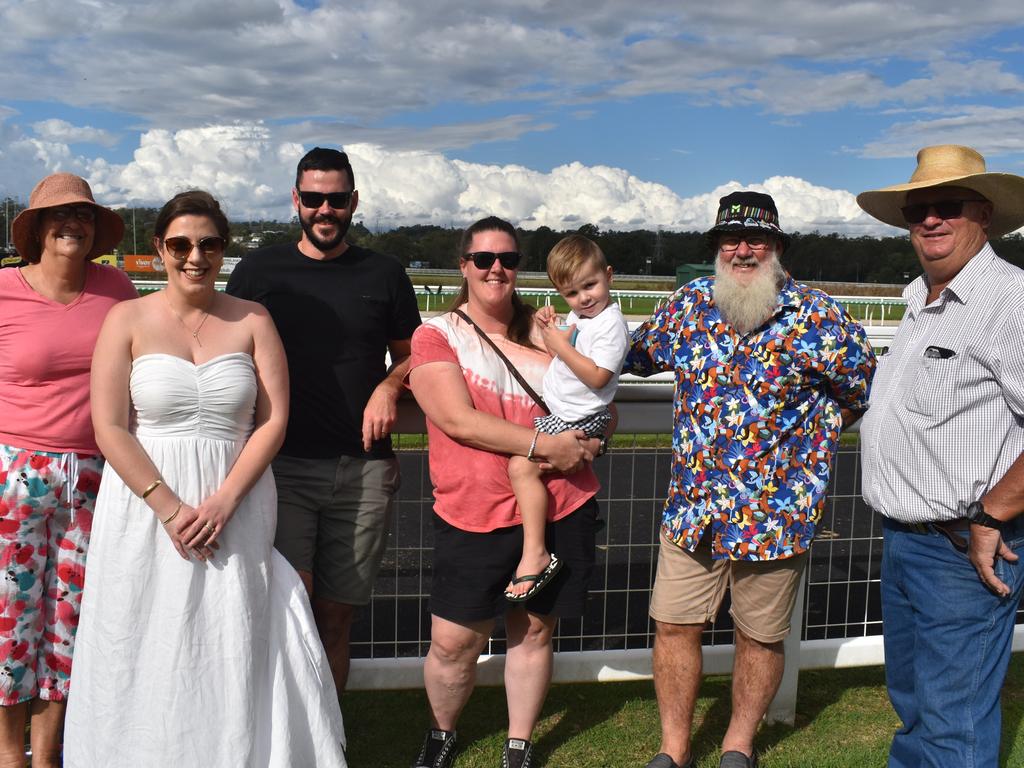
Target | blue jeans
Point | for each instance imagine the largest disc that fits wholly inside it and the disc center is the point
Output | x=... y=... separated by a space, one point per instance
x=947 y=647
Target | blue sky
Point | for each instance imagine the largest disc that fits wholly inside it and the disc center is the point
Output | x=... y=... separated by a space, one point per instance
x=622 y=114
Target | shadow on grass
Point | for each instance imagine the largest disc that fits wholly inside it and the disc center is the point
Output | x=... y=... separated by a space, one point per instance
x=844 y=720
x=385 y=729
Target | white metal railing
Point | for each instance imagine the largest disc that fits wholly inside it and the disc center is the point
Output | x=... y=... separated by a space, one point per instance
x=878 y=310
x=438 y=299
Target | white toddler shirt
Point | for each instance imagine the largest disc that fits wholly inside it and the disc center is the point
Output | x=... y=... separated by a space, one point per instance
x=605 y=340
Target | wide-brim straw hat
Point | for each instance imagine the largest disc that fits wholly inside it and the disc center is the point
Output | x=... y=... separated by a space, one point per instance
x=951 y=165
x=64 y=189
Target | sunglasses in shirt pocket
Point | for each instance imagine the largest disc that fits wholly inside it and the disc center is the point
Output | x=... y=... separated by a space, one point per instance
x=934 y=381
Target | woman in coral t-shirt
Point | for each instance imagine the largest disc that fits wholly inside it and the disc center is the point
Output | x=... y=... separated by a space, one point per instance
x=50 y=467
x=478 y=415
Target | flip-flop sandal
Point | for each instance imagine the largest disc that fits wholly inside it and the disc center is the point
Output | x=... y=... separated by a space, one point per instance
x=539 y=580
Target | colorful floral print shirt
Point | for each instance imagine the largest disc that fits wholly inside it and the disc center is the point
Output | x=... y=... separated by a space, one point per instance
x=756 y=418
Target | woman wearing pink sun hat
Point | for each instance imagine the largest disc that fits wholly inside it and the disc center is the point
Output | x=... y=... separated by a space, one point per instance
x=50 y=466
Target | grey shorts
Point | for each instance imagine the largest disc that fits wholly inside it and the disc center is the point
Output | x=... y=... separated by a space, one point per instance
x=333 y=521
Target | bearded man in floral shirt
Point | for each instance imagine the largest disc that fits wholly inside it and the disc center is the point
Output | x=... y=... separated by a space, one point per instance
x=767 y=374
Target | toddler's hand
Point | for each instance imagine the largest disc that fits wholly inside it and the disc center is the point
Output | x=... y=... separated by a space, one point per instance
x=545 y=315
x=558 y=338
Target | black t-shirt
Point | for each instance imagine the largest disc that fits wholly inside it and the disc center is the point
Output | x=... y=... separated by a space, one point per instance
x=335 y=318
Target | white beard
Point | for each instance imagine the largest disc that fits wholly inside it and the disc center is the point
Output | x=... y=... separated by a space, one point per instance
x=746 y=307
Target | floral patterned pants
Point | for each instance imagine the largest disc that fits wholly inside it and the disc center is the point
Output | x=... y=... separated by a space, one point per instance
x=46 y=511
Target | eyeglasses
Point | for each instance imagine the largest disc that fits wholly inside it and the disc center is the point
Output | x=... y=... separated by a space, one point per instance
x=754 y=243
x=485 y=259
x=315 y=200
x=944 y=209
x=84 y=213
x=181 y=247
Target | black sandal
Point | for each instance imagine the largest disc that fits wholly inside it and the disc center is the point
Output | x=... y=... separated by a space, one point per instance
x=540 y=580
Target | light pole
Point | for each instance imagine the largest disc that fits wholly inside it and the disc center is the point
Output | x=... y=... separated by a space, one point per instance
x=7 y=224
x=135 y=241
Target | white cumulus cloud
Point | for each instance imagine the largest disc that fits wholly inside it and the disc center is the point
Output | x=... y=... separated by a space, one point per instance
x=63 y=131
x=251 y=169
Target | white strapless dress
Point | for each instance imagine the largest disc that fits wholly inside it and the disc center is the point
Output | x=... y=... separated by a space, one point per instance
x=185 y=664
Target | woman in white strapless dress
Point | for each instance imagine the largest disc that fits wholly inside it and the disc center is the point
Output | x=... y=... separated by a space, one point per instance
x=196 y=645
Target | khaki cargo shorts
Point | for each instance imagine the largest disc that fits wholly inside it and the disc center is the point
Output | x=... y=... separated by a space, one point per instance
x=689 y=588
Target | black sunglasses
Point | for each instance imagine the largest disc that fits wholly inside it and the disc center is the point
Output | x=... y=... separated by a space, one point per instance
x=181 y=247
x=84 y=213
x=944 y=209
x=485 y=259
x=314 y=200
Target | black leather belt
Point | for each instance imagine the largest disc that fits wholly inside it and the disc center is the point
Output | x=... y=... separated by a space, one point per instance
x=951 y=529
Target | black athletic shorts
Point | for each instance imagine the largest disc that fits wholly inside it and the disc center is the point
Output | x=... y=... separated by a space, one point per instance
x=472 y=570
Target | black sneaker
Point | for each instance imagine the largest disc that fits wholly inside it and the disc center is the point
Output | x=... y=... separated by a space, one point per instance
x=661 y=760
x=518 y=753
x=438 y=750
x=736 y=759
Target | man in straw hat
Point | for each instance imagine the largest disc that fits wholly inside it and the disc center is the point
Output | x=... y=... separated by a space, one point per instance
x=941 y=453
x=767 y=372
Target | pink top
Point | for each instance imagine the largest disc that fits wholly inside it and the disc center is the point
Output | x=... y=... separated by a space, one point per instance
x=45 y=355
x=471 y=486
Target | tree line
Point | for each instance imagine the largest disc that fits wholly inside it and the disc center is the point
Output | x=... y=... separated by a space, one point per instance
x=811 y=256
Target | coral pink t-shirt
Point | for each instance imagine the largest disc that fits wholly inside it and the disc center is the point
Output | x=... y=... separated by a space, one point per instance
x=45 y=355
x=471 y=487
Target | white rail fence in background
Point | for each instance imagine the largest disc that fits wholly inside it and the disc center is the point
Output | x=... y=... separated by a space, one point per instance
x=877 y=310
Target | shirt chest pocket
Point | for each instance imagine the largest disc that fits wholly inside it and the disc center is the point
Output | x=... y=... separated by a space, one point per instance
x=934 y=385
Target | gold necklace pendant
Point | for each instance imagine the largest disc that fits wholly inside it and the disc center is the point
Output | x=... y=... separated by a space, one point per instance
x=194 y=332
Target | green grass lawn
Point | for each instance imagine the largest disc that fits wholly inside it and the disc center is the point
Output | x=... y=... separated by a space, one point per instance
x=844 y=720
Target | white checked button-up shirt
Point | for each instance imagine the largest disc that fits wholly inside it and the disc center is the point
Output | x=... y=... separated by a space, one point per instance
x=946 y=413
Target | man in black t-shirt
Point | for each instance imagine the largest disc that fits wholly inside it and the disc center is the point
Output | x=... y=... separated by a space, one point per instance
x=338 y=308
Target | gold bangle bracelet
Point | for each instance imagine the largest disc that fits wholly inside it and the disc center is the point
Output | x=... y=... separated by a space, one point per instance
x=151 y=487
x=173 y=514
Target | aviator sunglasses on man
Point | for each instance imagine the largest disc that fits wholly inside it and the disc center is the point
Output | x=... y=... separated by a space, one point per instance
x=315 y=200
x=485 y=259
x=944 y=209
x=180 y=247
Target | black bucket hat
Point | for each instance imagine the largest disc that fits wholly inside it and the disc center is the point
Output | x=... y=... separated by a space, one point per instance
x=746 y=211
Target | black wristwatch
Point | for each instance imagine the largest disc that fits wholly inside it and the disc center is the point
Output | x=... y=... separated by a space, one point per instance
x=976 y=514
x=602 y=449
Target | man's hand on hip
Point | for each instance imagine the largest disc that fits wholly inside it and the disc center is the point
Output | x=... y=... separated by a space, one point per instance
x=986 y=544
